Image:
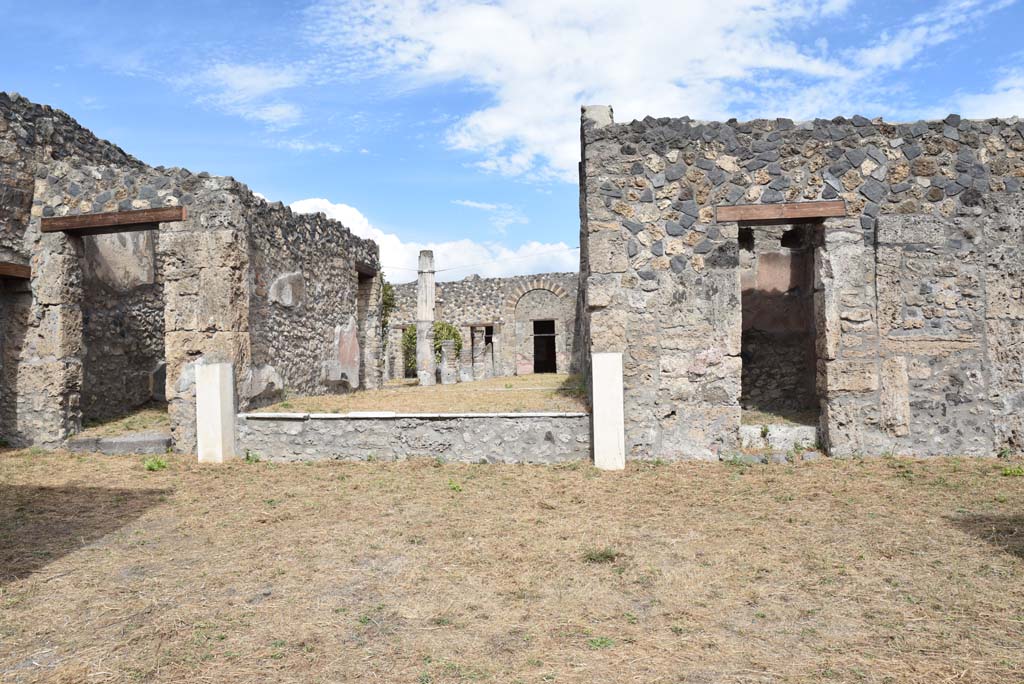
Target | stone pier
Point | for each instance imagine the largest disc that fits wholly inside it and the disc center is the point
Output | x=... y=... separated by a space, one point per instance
x=466 y=356
x=479 y=365
x=449 y=363
x=488 y=360
x=426 y=367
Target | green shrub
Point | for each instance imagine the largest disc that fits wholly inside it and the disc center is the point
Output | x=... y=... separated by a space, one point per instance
x=605 y=555
x=387 y=305
x=442 y=331
x=154 y=463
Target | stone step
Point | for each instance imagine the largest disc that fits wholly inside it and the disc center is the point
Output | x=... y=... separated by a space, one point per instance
x=778 y=437
x=146 y=442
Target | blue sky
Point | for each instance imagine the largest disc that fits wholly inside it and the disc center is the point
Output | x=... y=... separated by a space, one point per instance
x=453 y=124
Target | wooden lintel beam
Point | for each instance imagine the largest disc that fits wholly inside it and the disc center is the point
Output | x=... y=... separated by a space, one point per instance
x=113 y=221
x=12 y=270
x=365 y=269
x=789 y=211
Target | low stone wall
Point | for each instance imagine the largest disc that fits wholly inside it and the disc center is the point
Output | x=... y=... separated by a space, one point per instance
x=466 y=437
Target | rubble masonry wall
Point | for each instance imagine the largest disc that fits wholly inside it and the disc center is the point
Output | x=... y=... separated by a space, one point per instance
x=476 y=301
x=917 y=293
x=214 y=272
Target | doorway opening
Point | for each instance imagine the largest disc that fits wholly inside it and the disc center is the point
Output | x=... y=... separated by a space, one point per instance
x=778 y=333
x=123 y=354
x=15 y=318
x=544 y=358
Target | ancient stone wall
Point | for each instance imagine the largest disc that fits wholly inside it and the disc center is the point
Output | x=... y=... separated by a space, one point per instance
x=195 y=306
x=31 y=138
x=476 y=302
x=195 y=290
x=663 y=277
x=949 y=312
x=466 y=438
x=31 y=134
x=309 y=321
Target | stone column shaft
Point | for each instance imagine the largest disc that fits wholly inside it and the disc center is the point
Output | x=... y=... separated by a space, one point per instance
x=426 y=367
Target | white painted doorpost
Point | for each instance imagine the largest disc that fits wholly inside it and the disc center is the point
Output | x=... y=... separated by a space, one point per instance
x=608 y=413
x=215 y=412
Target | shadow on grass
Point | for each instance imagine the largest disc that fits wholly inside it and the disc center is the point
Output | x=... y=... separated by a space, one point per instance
x=150 y=416
x=573 y=386
x=38 y=525
x=1005 y=532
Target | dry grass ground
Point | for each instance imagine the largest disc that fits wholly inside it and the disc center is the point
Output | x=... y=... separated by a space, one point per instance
x=146 y=418
x=541 y=392
x=826 y=571
x=760 y=417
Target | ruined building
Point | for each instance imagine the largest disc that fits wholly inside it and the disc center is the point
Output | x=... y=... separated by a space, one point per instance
x=510 y=326
x=117 y=278
x=856 y=274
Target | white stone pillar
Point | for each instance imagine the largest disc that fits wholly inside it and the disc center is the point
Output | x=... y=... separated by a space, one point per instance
x=426 y=365
x=608 y=413
x=425 y=287
x=215 y=412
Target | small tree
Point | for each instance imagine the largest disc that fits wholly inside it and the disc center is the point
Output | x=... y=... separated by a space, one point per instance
x=442 y=331
x=387 y=301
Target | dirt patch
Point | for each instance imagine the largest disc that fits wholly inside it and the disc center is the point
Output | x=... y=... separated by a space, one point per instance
x=887 y=570
x=541 y=392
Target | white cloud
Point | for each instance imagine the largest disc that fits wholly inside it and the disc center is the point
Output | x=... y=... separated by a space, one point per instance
x=501 y=215
x=300 y=145
x=1005 y=99
x=539 y=60
x=248 y=82
x=454 y=259
x=252 y=91
x=276 y=116
x=486 y=206
x=940 y=24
